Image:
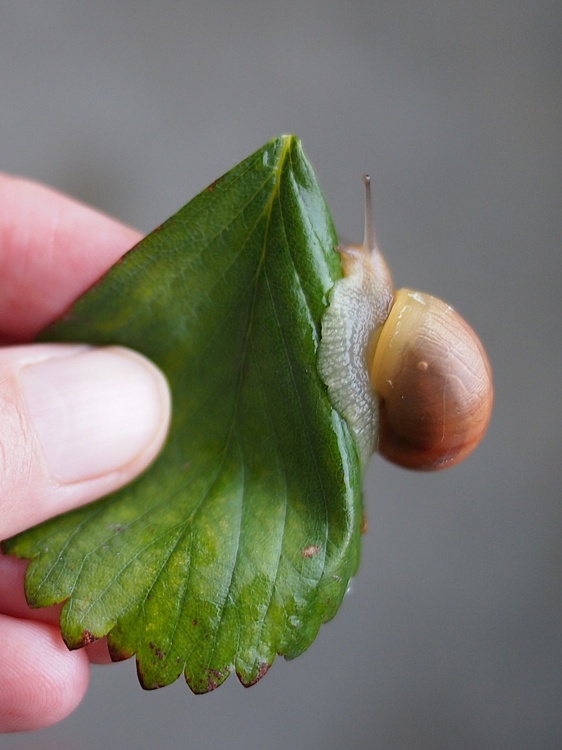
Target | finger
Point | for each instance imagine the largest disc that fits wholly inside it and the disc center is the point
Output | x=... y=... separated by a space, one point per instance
x=77 y=423
x=52 y=249
x=98 y=652
x=13 y=603
x=41 y=681
x=12 y=598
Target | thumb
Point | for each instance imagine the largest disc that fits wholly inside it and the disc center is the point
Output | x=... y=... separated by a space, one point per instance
x=75 y=423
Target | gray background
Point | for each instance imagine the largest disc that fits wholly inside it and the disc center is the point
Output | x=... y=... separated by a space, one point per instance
x=450 y=637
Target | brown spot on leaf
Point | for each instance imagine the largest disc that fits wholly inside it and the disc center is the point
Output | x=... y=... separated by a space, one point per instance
x=117 y=527
x=212 y=679
x=262 y=669
x=86 y=638
x=159 y=653
x=364 y=524
x=311 y=550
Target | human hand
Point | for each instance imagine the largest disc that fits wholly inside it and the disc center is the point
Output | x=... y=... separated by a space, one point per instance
x=76 y=423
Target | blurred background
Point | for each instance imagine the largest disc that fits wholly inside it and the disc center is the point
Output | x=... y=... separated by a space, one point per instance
x=450 y=636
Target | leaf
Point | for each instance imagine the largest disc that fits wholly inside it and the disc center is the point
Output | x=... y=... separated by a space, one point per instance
x=240 y=540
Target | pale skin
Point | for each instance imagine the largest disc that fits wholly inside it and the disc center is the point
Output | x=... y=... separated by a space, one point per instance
x=53 y=248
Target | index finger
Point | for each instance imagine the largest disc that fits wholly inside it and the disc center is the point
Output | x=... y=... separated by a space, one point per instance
x=52 y=248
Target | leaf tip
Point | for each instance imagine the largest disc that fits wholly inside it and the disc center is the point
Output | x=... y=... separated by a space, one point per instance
x=84 y=638
x=262 y=669
x=209 y=680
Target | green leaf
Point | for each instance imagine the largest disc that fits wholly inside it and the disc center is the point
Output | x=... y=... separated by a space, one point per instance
x=240 y=540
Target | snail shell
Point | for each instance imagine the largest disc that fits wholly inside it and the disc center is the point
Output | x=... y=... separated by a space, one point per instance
x=406 y=371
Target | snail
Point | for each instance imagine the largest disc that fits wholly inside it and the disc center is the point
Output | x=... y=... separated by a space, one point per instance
x=406 y=371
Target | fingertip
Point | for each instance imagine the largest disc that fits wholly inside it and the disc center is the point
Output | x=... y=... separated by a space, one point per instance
x=52 y=248
x=98 y=652
x=78 y=423
x=41 y=681
x=97 y=411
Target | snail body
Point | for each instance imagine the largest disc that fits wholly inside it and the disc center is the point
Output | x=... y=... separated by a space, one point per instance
x=404 y=368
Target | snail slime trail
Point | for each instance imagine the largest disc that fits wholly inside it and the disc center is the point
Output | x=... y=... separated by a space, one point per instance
x=406 y=371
